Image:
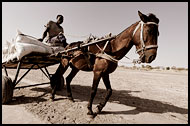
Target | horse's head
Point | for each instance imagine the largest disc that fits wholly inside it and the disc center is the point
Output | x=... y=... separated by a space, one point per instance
x=145 y=37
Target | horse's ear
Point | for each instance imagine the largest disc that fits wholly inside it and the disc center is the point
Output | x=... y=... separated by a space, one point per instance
x=143 y=17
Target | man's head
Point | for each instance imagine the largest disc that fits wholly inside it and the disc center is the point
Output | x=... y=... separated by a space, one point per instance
x=59 y=19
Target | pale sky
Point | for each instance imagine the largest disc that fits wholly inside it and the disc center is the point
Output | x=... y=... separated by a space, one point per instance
x=100 y=18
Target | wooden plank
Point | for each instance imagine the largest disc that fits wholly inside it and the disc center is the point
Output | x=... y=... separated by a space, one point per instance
x=34 y=58
x=86 y=44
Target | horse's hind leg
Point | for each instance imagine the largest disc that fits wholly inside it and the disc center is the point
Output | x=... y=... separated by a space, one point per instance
x=69 y=78
x=53 y=92
x=108 y=94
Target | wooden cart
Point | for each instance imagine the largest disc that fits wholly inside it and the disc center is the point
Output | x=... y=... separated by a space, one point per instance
x=33 y=61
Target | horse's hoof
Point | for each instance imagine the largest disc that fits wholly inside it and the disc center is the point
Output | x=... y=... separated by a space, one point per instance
x=91 y=115
x=97 y=110
x=71 y=99
x=52 y=98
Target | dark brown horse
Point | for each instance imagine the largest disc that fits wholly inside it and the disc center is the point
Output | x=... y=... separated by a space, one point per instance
x=102 y=58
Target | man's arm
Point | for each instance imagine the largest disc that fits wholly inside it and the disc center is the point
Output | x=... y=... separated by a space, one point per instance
x=45 y=32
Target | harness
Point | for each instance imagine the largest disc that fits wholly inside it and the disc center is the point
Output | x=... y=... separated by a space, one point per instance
x=142 y=49
x=105 y=55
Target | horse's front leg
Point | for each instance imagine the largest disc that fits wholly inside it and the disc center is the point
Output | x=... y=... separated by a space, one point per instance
x=69 y=78
x=55 y=80
x=96 y=81
x=108 y=94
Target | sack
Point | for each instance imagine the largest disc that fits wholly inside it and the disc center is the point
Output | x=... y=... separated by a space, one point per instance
x=27 y=39
x=21 y=46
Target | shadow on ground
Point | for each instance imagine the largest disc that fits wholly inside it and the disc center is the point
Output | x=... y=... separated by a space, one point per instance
x=82 y=93
x=21 y=98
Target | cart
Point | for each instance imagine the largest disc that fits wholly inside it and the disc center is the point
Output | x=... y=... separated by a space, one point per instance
x=33 y=61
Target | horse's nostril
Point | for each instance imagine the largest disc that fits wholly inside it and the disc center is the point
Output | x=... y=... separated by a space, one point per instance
x=151 y=58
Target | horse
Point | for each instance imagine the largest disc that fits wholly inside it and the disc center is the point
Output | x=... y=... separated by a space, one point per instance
x=102 y=58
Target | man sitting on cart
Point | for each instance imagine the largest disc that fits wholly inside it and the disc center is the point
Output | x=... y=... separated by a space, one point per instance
x=53 y=31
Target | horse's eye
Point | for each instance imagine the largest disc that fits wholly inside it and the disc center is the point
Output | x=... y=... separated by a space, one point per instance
x=148 y=31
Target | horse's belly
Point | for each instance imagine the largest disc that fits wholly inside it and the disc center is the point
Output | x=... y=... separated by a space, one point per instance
x=81 y=62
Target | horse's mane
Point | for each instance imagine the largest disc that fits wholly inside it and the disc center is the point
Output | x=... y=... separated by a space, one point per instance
x=152 y=17
x=125 y=29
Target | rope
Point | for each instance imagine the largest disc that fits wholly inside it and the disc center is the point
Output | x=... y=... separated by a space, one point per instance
x=102 y=50
x=106 y=56
x=29 y=36
x=134 y=61
x=105 y=45
x=76 y=36
x=126 y=62
x=127 y=58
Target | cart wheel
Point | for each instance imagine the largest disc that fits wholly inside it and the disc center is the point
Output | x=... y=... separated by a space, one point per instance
x=7 y=89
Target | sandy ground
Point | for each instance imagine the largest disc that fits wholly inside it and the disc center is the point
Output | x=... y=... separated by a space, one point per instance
x=139 y=97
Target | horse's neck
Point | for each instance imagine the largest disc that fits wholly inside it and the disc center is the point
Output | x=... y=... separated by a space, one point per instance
x=123 y=42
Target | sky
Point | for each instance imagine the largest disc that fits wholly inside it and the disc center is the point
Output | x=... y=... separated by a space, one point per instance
x=100 y=18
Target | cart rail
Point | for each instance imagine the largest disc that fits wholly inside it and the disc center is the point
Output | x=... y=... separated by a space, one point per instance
x=84 y=45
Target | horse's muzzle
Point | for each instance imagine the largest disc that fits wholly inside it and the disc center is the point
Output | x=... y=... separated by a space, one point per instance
x=149 y=58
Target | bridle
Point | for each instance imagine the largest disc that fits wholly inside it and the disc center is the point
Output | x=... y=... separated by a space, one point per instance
x=143 y=47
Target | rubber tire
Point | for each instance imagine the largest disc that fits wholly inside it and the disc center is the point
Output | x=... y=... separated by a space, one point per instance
x=7 y=89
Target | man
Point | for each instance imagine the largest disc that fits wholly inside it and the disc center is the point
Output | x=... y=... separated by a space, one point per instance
x=52 y=29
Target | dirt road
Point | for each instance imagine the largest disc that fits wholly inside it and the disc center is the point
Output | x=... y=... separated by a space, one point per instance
x=139 y=97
